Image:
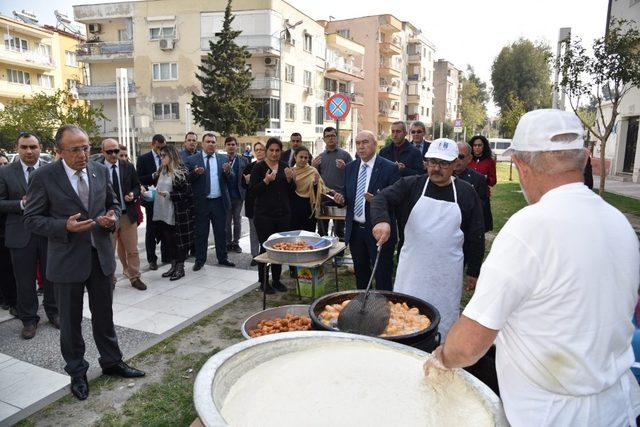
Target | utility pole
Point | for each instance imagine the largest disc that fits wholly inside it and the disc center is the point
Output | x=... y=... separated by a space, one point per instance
x=564 y=38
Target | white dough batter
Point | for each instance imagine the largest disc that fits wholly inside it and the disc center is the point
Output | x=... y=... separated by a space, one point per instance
x=351 y=384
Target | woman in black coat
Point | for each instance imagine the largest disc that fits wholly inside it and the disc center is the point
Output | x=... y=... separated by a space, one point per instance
x=271 y=184
x=259 y=151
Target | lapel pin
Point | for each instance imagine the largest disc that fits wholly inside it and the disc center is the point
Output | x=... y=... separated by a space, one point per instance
x=93 y=175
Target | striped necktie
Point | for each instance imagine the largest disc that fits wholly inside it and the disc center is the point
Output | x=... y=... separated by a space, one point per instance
x=360 y=190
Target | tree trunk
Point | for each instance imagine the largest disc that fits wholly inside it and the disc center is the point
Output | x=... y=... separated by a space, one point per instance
x=603 y=166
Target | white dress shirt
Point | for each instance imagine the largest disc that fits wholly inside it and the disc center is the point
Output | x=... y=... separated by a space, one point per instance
x=362 y=219
x=73 y=178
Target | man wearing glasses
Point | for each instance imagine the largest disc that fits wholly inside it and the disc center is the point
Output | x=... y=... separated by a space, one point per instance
x=444 y=230
x=28 y=250
x=418 y=135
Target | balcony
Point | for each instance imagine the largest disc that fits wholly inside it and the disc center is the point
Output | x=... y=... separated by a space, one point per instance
x=17 y=91
x=356 y=98
x=389 y=92
x=392 y=46
x=105 y=51
x=414 y=58
x=342 y=70
x=388 y=115
x=258 y=45
x=413 y=99
x=389 y=24
x=389 y=68
x=413 y=117
x=102 y=91
x=31 y=59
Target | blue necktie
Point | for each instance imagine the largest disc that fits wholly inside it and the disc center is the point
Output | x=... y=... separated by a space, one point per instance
x=208 y=167
x=360 y=190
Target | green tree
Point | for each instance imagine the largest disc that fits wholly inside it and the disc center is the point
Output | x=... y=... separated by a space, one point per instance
x=604 y=78
x=42 y=115
x=522 y=69
x=474 y=97
x=510 y=115
x=225 y=104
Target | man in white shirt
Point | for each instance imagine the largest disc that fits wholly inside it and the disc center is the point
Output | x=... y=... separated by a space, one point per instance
x=556 y=293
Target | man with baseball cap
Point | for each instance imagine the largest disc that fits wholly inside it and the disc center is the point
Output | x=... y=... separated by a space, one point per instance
x=444 y=229
x=556 y=293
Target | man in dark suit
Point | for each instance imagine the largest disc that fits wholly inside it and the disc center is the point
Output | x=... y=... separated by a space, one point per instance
x=209 y=173
x=190 y=146
x=126 y=186
x=146 y=167
x=288 y=155
x=402 y=152
x=28 y=250
x=477 y=180
x=237 y=163
x=418 y=135
x=364 y=178
x=72 y=203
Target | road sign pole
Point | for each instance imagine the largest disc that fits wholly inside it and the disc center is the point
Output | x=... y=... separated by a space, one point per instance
x=338 y=131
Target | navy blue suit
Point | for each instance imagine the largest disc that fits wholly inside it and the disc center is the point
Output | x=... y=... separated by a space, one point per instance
x=409 y=155
x=212 y=211
x=145 y=167
x=358 y=236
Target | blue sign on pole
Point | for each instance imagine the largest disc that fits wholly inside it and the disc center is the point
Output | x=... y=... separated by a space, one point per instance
x=338 y=106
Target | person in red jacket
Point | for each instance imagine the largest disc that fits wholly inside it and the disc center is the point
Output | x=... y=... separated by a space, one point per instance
x=483 y=163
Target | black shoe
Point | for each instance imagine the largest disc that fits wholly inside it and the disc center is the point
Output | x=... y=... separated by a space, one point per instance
x=269 y=290
x=153 y=265
x=179 y=272
x=123 y=370
x=237 y=249
x=227 y=263
x=13 y=311
x=197 y=266
x=278 y=286
x=5 y=306
x=55 y=321
x=28 y=331
x=172 y=270
x=253 y=263
x=80 y=387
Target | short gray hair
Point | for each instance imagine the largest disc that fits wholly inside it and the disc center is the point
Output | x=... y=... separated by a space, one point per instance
x=419 y=124
x=370 y=135
x=465 y=144
x=554 y=162
x=67 y=128
x=400 y=122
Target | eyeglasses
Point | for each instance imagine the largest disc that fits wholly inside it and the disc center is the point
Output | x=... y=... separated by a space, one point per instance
x=163 y=155
x=413 y=132
x=76 y=150
x=112 y=152
x=462 y=156
x=441 y=163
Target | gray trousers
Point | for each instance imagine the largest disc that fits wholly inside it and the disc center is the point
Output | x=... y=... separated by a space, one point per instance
x=235 y=215
x=253 y=238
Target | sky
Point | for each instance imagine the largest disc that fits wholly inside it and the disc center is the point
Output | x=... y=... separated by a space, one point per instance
x=464 y=31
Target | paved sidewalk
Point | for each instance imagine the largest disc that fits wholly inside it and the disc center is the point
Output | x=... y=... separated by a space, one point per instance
x=629 y=189
x=31 y=372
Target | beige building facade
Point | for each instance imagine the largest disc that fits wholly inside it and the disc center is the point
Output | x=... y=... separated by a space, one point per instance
x=446 y=87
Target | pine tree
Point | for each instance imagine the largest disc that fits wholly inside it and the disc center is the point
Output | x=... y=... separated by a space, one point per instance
x=225 y=104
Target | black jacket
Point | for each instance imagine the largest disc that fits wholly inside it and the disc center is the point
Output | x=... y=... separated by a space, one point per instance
x=129 y=183
x=271 y=200
x=145 y=167
x=405 y=193
x=409 y=155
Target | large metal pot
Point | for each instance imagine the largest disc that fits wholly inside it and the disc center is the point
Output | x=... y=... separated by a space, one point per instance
x=221 y=371
x=334 y=211
x=273 y=313
x=294 y=257
x=425 y=340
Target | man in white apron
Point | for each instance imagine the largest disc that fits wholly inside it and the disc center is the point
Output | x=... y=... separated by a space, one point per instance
x=443 y=229
x=557 y=292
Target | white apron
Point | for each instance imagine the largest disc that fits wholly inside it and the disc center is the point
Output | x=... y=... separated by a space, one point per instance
x=431 y=260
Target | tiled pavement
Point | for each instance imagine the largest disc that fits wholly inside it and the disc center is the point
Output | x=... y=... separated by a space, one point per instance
x=31 y=372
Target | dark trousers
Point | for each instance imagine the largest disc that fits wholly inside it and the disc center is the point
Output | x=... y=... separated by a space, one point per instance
x=211 y=211
x=338 y=228
x=265 y=227
x=170 y=238
x=152 y=238
x=301 y=215
x=234 y=216
x=69 y=297
x=363 y=252
x=7 y=279
x=24 y=269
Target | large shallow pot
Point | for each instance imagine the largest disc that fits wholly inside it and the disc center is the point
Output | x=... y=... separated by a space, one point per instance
x=273 y=313
x=426 y=340
x=222 y=370
x=295 y=257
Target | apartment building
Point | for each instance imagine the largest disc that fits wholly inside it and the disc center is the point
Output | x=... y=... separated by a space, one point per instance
x=447 y=82
x=623 y=157
x=36 y=59
x=161 y=43
x=418 y=57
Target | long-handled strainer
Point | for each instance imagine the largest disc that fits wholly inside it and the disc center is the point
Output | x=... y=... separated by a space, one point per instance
x=368 y=313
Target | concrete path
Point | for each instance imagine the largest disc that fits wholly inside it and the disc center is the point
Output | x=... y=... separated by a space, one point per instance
x=629 y=189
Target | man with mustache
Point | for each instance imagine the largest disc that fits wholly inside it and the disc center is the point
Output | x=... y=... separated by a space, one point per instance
x=444 y=230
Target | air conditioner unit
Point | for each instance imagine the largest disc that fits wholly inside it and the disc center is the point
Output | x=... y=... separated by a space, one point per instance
x=271 y=62
x=308 y=90
x=95 y=28
x=167 y=44
x=73 y=92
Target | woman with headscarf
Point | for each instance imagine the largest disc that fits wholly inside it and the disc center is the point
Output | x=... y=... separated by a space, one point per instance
x=483 y=163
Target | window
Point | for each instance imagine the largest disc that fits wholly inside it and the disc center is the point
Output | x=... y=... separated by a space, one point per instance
x=124 y=36
x=345 y=33
x=72 y=84
x=16 y=44
x=320 y=115
x=165 y=71
x=166 y=111
x=44 y=50
x=307 y=78
x=46 y=81
x=308 y=42
x=70 y=58
x=156 y=33
x=307 y=114
x=290 y=112
x=20 y=77
x=289 y=73
x=330 y=85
